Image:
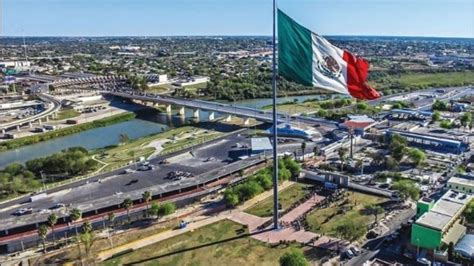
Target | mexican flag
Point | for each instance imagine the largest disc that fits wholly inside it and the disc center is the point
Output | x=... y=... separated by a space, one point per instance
x=307 y=58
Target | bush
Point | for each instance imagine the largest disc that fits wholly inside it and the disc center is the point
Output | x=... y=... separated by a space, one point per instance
x=293 y=257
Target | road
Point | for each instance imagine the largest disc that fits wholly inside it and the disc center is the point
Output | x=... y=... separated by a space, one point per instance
x=206 y=162
x=54 y=106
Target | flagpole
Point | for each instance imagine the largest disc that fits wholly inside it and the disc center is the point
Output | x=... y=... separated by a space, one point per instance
x=275 y=139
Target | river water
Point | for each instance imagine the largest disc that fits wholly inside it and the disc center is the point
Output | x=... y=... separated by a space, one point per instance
x=146 y=123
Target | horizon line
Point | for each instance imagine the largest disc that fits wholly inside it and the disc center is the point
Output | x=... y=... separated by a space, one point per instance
x=223 y=35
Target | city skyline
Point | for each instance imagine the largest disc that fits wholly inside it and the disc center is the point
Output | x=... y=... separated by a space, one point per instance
x=224 y=18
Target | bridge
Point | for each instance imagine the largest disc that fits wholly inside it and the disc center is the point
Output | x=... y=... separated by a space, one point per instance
x=212 y=108
x=53 y=106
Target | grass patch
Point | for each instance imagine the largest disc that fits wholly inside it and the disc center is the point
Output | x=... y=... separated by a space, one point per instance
x=67 y=114
x=159 y=88
x=240 y=251
x=287 y=197
x=197 y=138
x=116 y=156
x=327 y=219
x=424 y=80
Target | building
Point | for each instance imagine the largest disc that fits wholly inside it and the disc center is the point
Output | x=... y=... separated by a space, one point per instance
x=261 y=145
x=286 y=130
x=192 y=81
x=462 y=183
x=16 y=65
x=358 y=123
x=438 y=224
x=435 y=143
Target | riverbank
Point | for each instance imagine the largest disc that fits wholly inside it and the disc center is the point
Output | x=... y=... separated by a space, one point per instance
x=16 y=143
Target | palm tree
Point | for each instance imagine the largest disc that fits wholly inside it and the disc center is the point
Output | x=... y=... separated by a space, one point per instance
x=303 y=147
x=127 y=204
x=146 y=196
x=342 y=152
x=111 y=218
x=360 y=165
x=52 y=220
x=316 y=150
x=74 y=215
x=87 y=227
x=42 y=233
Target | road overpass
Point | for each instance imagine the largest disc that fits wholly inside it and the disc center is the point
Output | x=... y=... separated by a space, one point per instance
x=213 y=107
x=53 y=106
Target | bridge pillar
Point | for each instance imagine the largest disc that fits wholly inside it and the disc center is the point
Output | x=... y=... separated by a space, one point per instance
x=196 y=113
x=181 y=111
x=18 y=128
x=211 y=116
x=30 y=125
x=3 y=131
x=228 y=118
x=40 y=122
x=246 y=121
x=47 y=118
x=168 y=108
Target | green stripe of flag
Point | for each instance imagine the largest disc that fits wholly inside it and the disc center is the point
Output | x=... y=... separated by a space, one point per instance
x=295 y=55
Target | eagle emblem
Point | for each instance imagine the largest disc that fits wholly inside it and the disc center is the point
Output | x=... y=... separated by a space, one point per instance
x=329 y=67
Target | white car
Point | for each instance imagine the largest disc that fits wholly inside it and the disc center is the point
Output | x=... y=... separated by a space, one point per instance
x=423 y=261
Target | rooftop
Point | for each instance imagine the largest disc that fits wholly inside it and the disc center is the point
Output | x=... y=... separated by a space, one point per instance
x=448 y=207
x=260 y=144
x=462 y=181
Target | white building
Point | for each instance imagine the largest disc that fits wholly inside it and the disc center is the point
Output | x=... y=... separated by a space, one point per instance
x=17 y=65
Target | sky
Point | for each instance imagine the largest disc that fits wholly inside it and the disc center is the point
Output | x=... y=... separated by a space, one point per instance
x=436 y=18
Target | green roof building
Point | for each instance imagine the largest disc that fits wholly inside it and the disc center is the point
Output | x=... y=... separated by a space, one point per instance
x=438 y=223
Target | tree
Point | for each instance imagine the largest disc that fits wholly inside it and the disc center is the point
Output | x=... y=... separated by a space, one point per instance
x=127 y=204
x=154 y=210
x=167 y=208
x=466 y=119
x=417 y=157
x=87 y=239
x=316 y=150
x=397 y=147
x=350 y=230
x=231 y=198
x=146 y=196
x=374 y=210
x=303 y=147
x=294 y=257
x=342 y=152
x=407 y=189
x=87 y=227
x=436 y=116
x=42 y=233
x=52 y=220
x=111 y=218
x=75 y=214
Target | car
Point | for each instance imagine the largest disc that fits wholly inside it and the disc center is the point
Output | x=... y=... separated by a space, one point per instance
x=164 y=162
x=348 y=253
x=372 y=234
x=408 y=255
x=118 y=193
x=23 y=211
x=57 y=206
x=131 y=182
x=423 y=261
x=210 y=159
x=355 y=250
x=127 y=171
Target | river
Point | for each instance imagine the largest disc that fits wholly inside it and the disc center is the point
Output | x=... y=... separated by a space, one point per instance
x=146 y=123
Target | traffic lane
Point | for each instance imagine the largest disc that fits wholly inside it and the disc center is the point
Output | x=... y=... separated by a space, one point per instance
x=120 y=183
x=26 y=198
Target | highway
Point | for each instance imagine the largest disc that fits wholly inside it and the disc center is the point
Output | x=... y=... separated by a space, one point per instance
x=53 y=106
x=206 y=162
